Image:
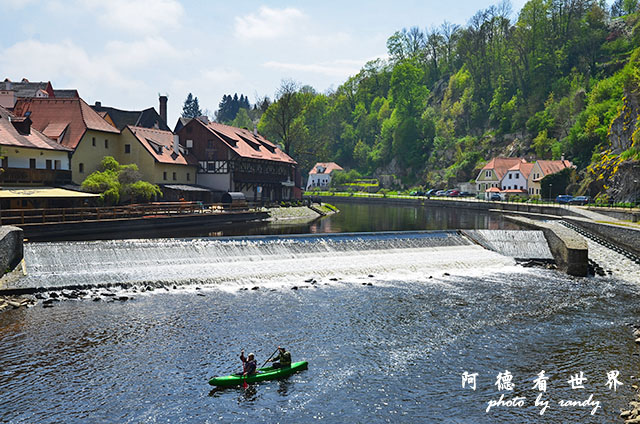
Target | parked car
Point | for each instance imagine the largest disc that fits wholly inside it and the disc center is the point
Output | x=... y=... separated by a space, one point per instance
x=453 y=193
x=580 y=200
x=563 y=198
x=432 y=192
x=465 y=194
x=495 y=197
x=441 y=193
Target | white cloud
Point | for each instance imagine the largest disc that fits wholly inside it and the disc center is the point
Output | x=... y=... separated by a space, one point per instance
x=336 y=68
x=269 y=23
x=137 y=16
x=143 y=52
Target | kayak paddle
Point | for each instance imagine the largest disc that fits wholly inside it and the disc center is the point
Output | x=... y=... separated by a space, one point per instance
x=265 y=362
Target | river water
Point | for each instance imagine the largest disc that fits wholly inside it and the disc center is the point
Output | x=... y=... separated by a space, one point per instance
x=389 y=326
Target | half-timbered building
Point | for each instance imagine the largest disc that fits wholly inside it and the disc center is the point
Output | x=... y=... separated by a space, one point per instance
x=238 y=160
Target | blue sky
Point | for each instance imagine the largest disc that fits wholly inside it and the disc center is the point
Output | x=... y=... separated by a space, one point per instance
x=124 y=52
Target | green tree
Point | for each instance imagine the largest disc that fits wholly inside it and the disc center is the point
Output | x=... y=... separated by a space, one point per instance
x=281 y=117
x=191 y=108
x=114 y=181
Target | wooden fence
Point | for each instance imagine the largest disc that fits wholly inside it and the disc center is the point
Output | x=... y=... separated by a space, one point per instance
x=84 y=214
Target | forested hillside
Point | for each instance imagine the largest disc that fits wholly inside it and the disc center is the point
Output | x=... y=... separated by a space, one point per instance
x=548 y=80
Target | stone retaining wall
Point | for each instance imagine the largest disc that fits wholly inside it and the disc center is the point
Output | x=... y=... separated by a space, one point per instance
x=627 y=237
x=569 y=249
x=11 y=249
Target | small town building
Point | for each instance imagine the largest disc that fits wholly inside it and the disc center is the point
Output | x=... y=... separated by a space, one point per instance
x=541 y=169
x=514 y=182
x=159 y=156
x=74 y=124
x=11 y=92
x=320 y=174
x=493 y=172
x=147 y=118
x=238 y=160
x=28 y=156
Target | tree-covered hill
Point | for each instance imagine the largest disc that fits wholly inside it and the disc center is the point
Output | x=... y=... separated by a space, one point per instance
x=551 y=81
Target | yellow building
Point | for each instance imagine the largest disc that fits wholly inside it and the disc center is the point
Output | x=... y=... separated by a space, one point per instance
x=541 y=169
x=158 y=155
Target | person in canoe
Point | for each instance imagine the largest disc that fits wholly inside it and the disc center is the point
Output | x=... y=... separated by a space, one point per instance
x=283 y=359
x=249 y=364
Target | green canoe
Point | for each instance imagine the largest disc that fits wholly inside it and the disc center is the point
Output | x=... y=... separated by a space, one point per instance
x=263 y=374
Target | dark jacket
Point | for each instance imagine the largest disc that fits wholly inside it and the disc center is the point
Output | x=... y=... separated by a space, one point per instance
x=284 y=358
x=248 y=367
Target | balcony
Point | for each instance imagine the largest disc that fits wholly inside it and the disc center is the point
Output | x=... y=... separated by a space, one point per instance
x=31 y=176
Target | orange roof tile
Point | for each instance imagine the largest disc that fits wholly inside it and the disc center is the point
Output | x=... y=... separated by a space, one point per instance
x=501 y=165
x=524 y=168
x=328 y=168
x=548 y=167
x=75 y=112
x=160 y=144
x=9 y=136
x=246 y=144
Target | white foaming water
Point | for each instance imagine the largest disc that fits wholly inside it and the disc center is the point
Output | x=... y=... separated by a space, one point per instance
x=267 y=260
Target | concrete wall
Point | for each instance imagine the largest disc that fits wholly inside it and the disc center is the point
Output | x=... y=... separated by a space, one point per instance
x=626 y=237
x=11 y=248
x=569 y=249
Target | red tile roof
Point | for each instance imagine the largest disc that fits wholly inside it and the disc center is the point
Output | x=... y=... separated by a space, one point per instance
x=60 y=112
x=160 y=144
x=552 y=166
x=9 y=136
x=329 y=167
x=501 y=165
x=524 y=168
x=246 y=144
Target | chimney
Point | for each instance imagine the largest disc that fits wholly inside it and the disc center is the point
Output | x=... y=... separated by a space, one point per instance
x=255 y=130
x=163 y=108
x=176 y=143
x=98 y=104
x=562 y=157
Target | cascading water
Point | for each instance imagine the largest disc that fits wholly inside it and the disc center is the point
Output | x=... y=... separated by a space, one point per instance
x=242 y=260
x=513 y=243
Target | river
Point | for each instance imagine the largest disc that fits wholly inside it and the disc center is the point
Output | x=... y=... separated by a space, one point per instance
x=389 y=327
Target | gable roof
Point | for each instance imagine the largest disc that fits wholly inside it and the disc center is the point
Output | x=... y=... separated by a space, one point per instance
x=159 y=144
x=246 y=144
x=501 y=165
x=25 y=88
x=524 y=168
x=328 y=168
x=147 y=118
x=10 y=136
x=74 y=113
x=548 y=167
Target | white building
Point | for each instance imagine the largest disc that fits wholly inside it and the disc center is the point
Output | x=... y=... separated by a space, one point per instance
x=515 y=179
x=320 y=174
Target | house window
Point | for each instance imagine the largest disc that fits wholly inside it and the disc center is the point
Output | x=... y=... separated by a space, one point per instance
x=81 y=168
x=106 y=143
x=188 y=176
x=127 y=148
x=487 y=174
x=48 y=162
x=164 y=175
x=5 y=162
x=510 y=175
x=209 y=144
x=32 y=163
x=517 y=175
x=93 y=141
x=57 y=164
x=174 y=176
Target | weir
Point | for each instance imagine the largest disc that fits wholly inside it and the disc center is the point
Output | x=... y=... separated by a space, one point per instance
x=513 y=243
x=245 y=260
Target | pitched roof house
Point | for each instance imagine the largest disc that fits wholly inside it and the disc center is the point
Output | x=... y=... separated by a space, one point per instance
x=515 y=179
x=11 y=91
x=492 y=173
x=320 y=174
x=24 y=148
x=541 y=169
x=236 y=159
x=147 y=118
x=72 y=123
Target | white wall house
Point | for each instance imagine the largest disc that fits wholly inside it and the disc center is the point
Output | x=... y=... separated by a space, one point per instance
x=320 y=174
x=516 y=177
